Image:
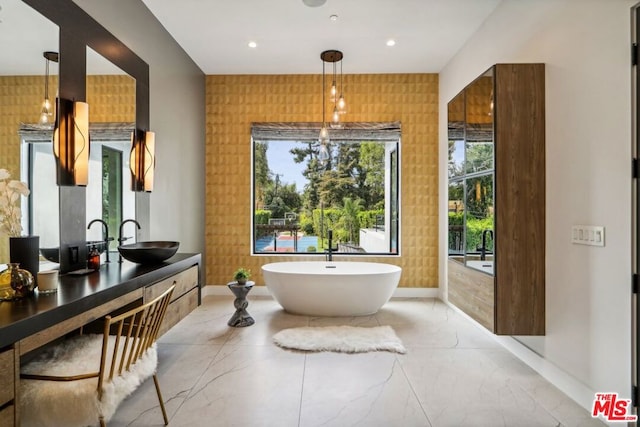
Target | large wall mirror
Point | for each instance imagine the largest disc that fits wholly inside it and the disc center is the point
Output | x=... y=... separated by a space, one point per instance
x=94 y=67
x=111 y=96
x=471 y=175
x=25 y=35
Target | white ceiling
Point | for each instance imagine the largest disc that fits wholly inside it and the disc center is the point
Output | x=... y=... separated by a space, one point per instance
x=290 y=35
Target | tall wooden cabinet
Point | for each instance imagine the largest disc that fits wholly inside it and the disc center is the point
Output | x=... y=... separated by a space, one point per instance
x=497 y=199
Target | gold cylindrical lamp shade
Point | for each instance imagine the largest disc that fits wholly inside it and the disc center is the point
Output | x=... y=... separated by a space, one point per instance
x=142 y=160
x=71 y=142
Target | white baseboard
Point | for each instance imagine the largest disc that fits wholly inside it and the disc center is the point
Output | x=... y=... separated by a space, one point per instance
x=263 y=291
x=568 y=384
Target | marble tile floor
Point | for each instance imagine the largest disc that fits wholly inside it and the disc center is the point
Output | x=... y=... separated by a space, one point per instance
x=453 y=374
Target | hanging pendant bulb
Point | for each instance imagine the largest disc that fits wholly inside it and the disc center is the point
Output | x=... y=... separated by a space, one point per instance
x=323 y=153
x=334 y=86
x=46 y=113
x=324 y=135
x=335 y=117
x=342 y=105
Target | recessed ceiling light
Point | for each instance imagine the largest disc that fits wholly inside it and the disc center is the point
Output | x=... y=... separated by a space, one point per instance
x=391 y=42
x=314 y=3
x=252 y=44
x=334 y=17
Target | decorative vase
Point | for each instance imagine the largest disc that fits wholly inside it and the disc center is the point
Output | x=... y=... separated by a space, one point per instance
x=21 y=281
x=25 y=250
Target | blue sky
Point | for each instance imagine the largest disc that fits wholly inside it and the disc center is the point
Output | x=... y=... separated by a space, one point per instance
x=281 y=163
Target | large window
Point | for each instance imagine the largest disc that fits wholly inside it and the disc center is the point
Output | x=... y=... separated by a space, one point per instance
x=305 y=192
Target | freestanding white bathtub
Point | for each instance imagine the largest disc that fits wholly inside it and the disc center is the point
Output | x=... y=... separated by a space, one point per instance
x=342 y=288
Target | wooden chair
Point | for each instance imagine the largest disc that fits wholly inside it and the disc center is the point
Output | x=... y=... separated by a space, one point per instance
x=85 y=378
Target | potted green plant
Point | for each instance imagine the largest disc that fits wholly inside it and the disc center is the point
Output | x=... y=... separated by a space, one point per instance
x=242 y=275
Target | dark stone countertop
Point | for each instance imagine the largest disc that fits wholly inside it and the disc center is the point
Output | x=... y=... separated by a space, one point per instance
x=77 y=294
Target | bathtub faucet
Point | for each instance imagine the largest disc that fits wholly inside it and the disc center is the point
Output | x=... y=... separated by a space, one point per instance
x=329 y=251
x=483 y=248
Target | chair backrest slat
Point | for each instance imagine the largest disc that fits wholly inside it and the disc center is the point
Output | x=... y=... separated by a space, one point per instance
x=135 y=332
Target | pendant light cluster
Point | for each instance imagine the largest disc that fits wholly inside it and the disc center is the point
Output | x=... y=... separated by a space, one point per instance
x=337 y=103
x=46 y=113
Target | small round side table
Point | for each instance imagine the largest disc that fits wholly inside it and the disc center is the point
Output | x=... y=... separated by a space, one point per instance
x=241 y=317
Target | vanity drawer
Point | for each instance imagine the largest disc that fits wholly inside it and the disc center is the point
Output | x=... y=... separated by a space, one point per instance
x=7 y=375
x=7 y=416
x=185 y=281
x=179 y=309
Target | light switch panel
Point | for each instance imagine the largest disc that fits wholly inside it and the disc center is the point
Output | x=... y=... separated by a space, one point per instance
x=592 y=235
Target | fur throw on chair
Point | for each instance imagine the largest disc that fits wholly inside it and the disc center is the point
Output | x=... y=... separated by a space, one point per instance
x=75 y=403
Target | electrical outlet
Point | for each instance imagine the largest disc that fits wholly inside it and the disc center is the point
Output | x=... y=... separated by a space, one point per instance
x=591 y=235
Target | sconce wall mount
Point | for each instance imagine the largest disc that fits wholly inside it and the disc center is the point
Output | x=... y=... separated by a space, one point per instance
x=142 y=160
x=71 y=142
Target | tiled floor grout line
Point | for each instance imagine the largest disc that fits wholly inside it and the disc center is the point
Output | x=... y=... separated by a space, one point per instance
x=413 y=390
x=304 y=371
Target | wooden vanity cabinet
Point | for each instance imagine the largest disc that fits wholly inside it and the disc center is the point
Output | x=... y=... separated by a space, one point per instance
x=9 y=370
x=505 y=108
x=80 y=306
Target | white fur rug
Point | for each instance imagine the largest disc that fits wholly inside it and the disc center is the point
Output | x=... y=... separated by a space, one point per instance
x=75 y=403
x=344 y=339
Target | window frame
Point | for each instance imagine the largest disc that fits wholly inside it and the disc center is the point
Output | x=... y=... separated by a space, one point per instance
x=366 y=131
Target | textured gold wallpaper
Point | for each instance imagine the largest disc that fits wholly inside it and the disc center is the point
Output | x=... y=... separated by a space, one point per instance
x=110 y=98
x=478 y=101
x=235 y=101
x=477 y=98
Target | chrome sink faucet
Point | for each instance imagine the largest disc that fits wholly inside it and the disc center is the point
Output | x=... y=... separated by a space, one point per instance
x=122 y=239
x=105 y=230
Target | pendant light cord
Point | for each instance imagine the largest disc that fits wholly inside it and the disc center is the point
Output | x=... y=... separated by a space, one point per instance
x=323 y=94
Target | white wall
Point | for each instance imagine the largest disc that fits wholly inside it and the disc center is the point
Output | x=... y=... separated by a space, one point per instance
x=177 y=116
x=586 y=48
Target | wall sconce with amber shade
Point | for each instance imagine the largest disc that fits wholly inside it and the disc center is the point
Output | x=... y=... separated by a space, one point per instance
x=71 y=142
x=142 y=160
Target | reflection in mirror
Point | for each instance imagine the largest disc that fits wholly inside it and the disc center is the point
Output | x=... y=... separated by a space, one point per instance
x=111 y=98
x=43 y=218
x=347 y=199
x=470 y=173
x=479 y=174
x=455 y=125
x=24 y=36
x=479 y=222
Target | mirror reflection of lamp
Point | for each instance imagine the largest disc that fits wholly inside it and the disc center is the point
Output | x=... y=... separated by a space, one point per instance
x=323 y=153
x=142 y=160
x=71 y=142
x=47 y=110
